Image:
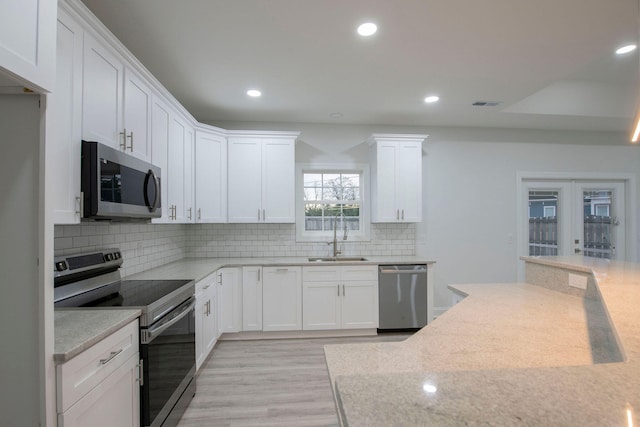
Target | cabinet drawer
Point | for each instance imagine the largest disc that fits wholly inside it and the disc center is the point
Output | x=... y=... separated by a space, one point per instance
x=81 y=374
x=320 y=274
x=359 y=272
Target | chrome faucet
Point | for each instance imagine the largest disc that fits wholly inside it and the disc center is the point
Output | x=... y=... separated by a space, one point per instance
x=336 y=251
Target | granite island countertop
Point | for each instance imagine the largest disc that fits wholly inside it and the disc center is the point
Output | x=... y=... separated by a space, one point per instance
x=508 y=354
x=77 y=329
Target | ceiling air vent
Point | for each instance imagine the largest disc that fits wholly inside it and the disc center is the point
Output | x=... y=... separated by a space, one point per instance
x=485 y=103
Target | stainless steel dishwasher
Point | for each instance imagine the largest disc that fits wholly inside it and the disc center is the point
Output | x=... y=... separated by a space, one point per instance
x=402 y=292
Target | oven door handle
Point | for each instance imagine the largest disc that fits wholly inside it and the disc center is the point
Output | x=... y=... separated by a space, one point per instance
x=151 y=334
x=156 y=185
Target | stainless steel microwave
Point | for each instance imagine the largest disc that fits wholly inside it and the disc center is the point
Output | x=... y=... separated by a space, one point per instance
x=116 y=185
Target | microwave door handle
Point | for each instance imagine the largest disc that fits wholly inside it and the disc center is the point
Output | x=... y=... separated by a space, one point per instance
x=156 y=185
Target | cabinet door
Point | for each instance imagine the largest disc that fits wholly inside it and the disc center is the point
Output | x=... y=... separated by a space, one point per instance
x=359 y=304
x=385 y=208
x=211 y=323
x=229 y=301
x=28 y=41
x=409 y=179
x=278 y=180
x=113 y=402
x=189 y=141
x=63 y=149
x=175 y=171
x=210 y=178
x=137 y=116
x=102 y=95
x=245 y=180
x=281 y=299
x=320 y=302
x=160 y=131
x=200 y=314
x=252 y=298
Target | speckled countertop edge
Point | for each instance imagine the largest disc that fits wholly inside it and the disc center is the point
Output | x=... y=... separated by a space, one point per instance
x=77 y=329
x=199 y=268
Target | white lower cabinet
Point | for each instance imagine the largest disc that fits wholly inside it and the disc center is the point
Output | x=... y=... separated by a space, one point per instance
x=281 y=298
x=99 y=387
x=206 y=318
x=229 y=300
x=340 y=297
x=252 y=298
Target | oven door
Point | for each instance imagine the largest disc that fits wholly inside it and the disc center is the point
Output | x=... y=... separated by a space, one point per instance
x=168 y=352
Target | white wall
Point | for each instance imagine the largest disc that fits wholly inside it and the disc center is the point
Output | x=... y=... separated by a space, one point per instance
x=20 y=327
x=470 y=198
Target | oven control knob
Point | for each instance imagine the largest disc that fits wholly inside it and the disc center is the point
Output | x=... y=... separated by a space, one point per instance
x=117 y=255
x=61 y=266
x=108 y=257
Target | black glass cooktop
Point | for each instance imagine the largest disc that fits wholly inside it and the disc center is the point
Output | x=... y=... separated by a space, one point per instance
x=138 y=293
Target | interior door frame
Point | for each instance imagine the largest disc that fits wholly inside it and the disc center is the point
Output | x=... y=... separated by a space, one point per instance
x=522 y=177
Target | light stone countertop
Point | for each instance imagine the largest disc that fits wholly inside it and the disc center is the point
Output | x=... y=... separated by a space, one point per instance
x=199 y=268
x=508 y=354
x=77 y=329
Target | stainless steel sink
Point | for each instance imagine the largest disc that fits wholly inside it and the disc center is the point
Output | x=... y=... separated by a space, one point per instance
x=334 y=259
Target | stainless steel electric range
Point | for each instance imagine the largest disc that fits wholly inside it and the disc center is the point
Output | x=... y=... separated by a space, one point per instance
x=167 y=326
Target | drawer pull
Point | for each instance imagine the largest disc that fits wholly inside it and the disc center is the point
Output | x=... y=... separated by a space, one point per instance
x=110 y=358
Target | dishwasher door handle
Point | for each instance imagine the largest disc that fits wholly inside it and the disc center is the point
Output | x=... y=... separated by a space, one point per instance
x=389 y=271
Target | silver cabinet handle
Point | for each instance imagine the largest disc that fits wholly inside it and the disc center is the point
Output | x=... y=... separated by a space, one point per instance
x=264 y=218
x=110 y=358
x=140 y=372
x=78 y=205
x=397 y=214
x=123 y=144
x=282 y=270
x=343 y=291
x=338 y=289
x=259 y=270
x=190 y=213
x=403 y=214
x=199 y=214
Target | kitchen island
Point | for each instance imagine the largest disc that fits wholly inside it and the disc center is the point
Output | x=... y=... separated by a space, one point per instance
x=508 y=354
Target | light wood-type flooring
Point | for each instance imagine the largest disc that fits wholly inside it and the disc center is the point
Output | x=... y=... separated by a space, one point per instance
x=280 y=382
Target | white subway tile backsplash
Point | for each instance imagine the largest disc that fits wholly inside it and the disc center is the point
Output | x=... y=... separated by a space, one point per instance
x=146 y=246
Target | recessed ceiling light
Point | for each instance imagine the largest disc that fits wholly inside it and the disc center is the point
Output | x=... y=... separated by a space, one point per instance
x=335 y=115
x=367 y=29
x=254 y=93
x=431 y=99
x=626 y=49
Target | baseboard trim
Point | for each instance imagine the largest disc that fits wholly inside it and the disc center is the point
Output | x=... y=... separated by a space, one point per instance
x=277 y=335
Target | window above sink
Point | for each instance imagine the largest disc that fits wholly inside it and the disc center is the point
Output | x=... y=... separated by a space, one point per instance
x=329 y=196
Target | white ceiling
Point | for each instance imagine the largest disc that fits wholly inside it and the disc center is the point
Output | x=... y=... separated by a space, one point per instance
x=550 y=63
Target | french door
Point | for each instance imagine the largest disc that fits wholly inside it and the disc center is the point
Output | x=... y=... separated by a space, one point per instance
x=574 y=217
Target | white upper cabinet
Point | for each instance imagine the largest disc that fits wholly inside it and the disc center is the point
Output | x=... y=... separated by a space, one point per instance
x=189 y=146
x=210 y=177
x=175 y=172
x=63 y=149
x=396 y=177
x=261 y=174
x=137 y=115
x=116 y=103
x=102 y=95
x=28 y=42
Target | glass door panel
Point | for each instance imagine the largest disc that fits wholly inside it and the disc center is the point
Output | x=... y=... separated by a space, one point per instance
x=543 y=222
x=600 y=221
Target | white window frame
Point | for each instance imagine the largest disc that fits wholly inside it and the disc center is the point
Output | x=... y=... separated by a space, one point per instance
x=362 y=235
x=550 y=208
